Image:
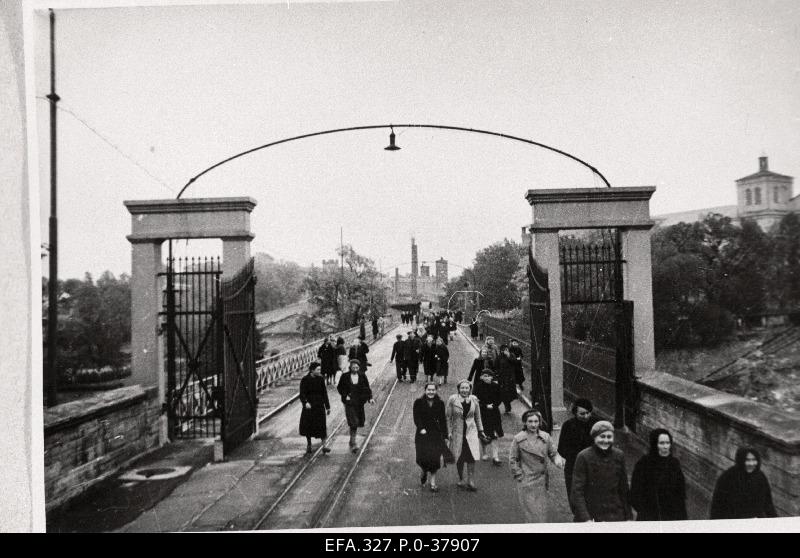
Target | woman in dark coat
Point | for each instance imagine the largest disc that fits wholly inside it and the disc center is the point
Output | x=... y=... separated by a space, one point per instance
x=355 y=391
x=427 y=355
x=429 y=441
x=658 y=488
x=442 y=355
x=358 y=351
x=314 y=399
x=488 y=393
x=481 y=363
x=473 y=329
x=743 y=491
x=505 y=369
x=327 y=356
x=600 y=483
x=575 y=436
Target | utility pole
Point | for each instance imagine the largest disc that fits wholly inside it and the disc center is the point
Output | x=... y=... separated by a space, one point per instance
x=51 y=378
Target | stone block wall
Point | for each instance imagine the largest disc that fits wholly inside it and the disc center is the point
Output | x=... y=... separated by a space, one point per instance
x=708 y=426
x=87 y=441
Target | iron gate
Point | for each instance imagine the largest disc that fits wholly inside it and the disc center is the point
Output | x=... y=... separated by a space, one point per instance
x=539 y=305
x=193 y=347
x=237 y=311
x=598 y=342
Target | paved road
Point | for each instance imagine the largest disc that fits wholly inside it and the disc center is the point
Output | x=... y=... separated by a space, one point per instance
x=385 y=490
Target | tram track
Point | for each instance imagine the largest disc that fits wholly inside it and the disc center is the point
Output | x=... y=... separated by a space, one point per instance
x=317 y=471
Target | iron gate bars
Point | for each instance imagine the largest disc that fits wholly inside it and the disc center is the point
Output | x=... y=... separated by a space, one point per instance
x=193 y=338
x=237 y=308
x=591 y=272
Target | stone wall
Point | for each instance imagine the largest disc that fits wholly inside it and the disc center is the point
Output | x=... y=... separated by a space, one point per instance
x=88 y=440
x=707 y=426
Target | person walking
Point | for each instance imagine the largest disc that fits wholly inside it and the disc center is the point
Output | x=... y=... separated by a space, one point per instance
x=412 y=355
x=575 y=437
x=316 y=407
x=530 y=451
x=355 y=392
x=442 y=356
x=600 y=482
x=481 y=363
x=362 y=327
x=506 y=377
x=375 y=327
x=452 y=324
x=491 y=348
x=464 y=428
x=743 y=491
x=488 y=393
x=359 y=351
x=658 y=487
x=473 y=329
x=327 y=356
x=428 y=357
x=430 y=438
x=341 y=355
x=398 y=356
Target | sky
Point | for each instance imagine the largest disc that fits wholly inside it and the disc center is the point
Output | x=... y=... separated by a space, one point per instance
x=682 y=95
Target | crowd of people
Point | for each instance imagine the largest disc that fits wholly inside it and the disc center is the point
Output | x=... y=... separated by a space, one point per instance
x=467 y=427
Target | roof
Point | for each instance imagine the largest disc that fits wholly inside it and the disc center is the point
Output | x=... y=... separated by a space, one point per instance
x=694 y=215
x=765 y=174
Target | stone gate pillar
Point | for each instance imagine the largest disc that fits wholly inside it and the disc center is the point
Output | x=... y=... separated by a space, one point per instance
x=623 y=208
x=153 y=222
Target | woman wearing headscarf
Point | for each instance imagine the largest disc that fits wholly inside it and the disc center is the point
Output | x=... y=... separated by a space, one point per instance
x=427 y=354
x=442 y=356
x=314 y=399
x=481 y=363
x=600 y=482
x=530 y=451
x=464 y=428
x=488 y=393
x=658 y=487
x=355 y=392
x=743 y=491
x=429 y=441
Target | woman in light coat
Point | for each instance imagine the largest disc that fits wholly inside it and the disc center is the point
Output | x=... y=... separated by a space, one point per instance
x=465 y=430
x=530 y=451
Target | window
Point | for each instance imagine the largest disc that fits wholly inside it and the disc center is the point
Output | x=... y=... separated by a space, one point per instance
x=748 y=197
x=758 y=196
x=777 y=199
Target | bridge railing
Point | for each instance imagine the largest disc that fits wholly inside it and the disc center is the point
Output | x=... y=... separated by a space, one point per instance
x=274 y=368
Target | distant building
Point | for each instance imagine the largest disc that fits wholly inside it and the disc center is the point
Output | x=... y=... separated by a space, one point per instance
x=765 y=197
x=330 y=265
x=419 y=285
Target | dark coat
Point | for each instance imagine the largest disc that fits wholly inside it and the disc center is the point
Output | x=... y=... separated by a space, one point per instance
x=442 y=356
x=742 y=495
x=374 y=326
x=444 y=332
x=600 y=486
x=399 y=351
x=430 y=445
x=412 y=350
x=489 y=394
x=359 y=395
x=506 y=377
x=478 y=365
x=473 y=329
x=327 y=357
x=658 y=489
x=516 y=358
x=313 y=422
x=360 y=354
x=573 y=439
x=428 y=357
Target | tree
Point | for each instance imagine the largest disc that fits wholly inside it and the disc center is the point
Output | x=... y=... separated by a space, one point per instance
x=279 y=283
x=785 y=265
x=346 y=295
x=495 y=269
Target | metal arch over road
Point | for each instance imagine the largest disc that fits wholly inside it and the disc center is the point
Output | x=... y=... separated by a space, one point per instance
x=391 y=127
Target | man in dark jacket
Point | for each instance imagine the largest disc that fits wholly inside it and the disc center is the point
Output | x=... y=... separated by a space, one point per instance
x=411 y=355
x=398 y=352
x=575 y=436
x=359 y=352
